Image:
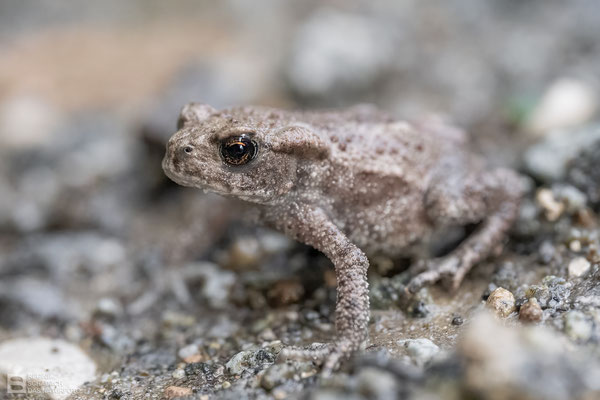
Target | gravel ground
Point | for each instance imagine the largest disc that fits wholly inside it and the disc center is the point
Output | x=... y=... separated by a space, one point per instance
x=117 y=284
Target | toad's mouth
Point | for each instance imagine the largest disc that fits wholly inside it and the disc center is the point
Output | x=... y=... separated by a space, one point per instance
x=196 y=181
x=178 y=177
x=222 y=188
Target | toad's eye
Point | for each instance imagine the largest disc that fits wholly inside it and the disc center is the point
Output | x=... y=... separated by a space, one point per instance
x=238 y=150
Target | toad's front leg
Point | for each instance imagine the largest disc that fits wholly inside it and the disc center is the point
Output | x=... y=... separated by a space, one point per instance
x=312 y=226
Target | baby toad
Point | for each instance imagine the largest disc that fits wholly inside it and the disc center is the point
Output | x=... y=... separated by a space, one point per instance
x=349 y=183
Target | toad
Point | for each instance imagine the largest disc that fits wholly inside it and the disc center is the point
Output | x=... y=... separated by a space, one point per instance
x=351 y=183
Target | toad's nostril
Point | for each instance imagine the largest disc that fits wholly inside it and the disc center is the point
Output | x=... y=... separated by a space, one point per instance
x=188 y=149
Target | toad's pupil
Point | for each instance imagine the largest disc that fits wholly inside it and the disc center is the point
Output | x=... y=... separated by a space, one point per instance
x=237 y=149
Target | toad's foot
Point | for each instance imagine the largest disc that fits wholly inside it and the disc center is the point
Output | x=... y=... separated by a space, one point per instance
x=447 y=269
x=329 y=355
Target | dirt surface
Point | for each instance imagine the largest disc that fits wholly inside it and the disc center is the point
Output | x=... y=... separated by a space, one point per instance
x=159 y=291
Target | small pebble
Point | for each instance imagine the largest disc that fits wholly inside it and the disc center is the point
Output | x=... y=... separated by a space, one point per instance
x=109 y=307
x=568 y=102
x=244 y=254
x=248 y=359
x=578 y=267
x=421 y=350
x=577 y=326
x=177 y=391
x=278 y=374
x=279 y=394
x=188 y=351
x=502 y=302
x=575 y=246
x=267 y=335
x=286 y=292
x=375 y=383
x=553 y=208
x=178 y=373
x=531 y=311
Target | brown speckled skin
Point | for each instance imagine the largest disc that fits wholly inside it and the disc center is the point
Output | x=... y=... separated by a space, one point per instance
x=351 y=182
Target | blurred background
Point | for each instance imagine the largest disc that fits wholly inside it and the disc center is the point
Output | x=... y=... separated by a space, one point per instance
x=98 y=247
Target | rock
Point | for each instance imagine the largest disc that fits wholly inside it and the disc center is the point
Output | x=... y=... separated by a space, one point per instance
x=387 y=293
x=177 y=391
x=374 y=383
x=526 y=362
x=26 y=122
x=245 y=253
x=216 y=282
x=567 y=103
x=178 y=373
x=267 y=335
x=583 y=172
x=223 y=327
x=61 y=254
x=286 y=292
x=330 y=39
x=334 y=394
x=278 y=374
x=548 y=160
x=577 y=326
x=553 y=208
x=572 y=198
x=248 y=359
x=109 y=307
x=560 y=199
x=578 y=267
x=116 y=340
x=553 y=293
x=502 y=302
x=185 y=353
x=41 y=298
x=274 y=242
x=48 y=367
x=531 y=311
x=421 y=350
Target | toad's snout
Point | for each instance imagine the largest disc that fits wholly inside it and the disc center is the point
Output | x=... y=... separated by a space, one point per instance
x=177 y=152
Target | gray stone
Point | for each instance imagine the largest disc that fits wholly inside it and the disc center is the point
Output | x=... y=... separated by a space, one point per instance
x=548 y=160
x=248 y=359
x=331 y=39
x=41 y=298
x=377 y=384
x=278 y=374
x=421 y=350
x=526 y=362
x=577 y=326
x=53 y=368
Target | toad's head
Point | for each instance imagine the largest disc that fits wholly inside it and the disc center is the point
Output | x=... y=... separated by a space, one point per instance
x=247 y=152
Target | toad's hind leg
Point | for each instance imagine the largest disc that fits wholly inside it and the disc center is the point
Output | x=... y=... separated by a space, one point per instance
x=492 y=199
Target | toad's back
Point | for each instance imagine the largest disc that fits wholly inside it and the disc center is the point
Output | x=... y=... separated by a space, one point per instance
x=375 y=180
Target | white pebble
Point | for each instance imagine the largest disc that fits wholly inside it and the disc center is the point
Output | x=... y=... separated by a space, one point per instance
x=49 y=367
x=578 y=266
x=567 y=103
